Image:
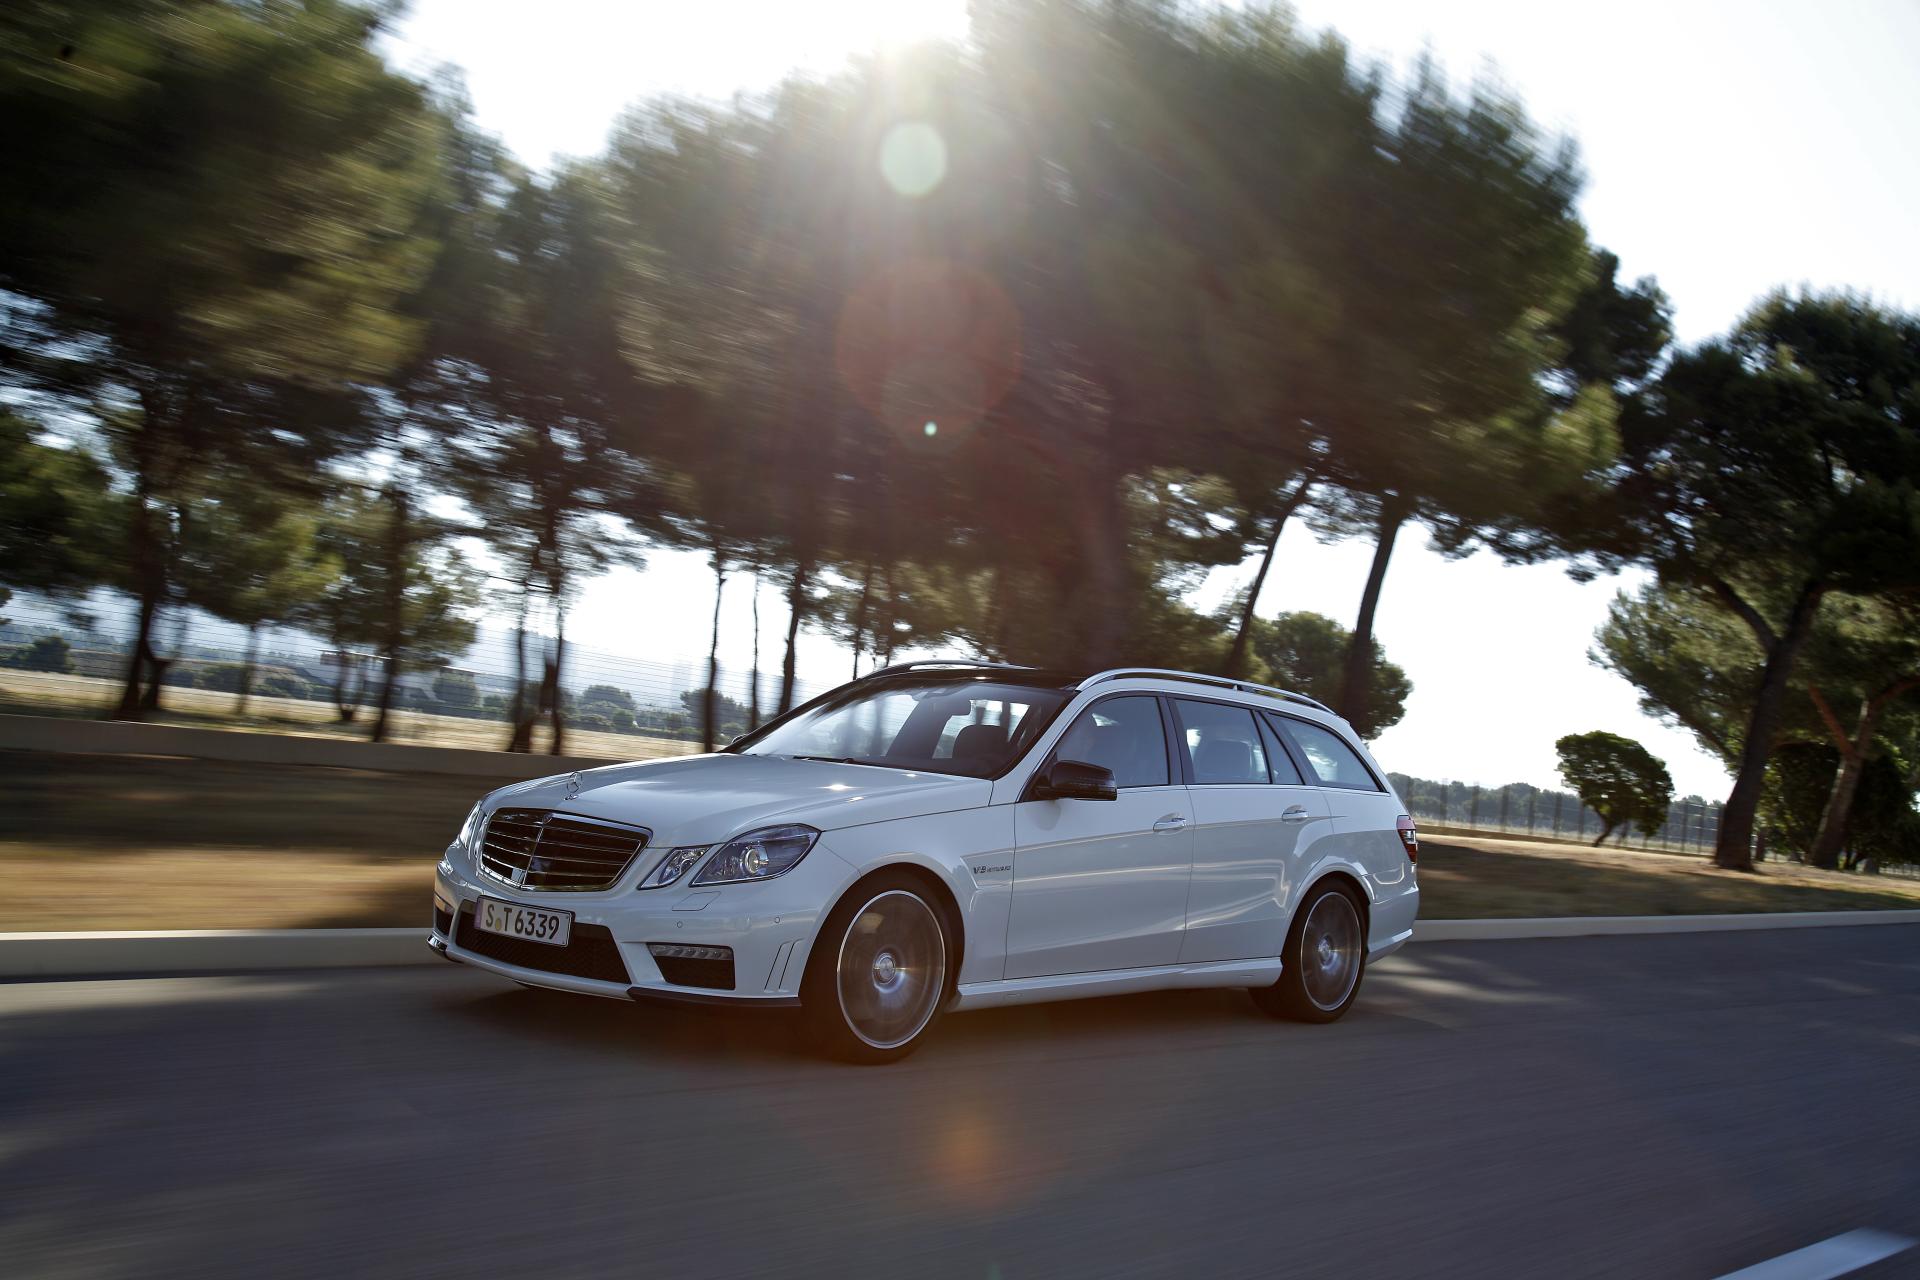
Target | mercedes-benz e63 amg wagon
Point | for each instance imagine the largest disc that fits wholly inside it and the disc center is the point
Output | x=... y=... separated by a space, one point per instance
x=943 y=836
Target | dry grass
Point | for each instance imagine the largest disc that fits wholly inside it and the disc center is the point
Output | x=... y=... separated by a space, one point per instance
x=44 y=694
x=129 y=842
x=1464 y=877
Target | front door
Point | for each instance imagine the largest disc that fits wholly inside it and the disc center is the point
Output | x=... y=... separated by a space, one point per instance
x=1102 y=884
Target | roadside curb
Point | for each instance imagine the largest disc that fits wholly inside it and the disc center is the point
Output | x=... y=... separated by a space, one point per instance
x=141 y=954
x=28 y=956
x=1595 y=926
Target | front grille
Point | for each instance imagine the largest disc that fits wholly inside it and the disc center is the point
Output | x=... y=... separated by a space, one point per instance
x=590 y=951
x=542 y=849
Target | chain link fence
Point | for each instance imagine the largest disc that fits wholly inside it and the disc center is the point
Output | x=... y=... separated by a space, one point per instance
x=1521 y=809
x=299 y=679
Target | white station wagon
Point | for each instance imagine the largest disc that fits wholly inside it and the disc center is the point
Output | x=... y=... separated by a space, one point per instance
x=946 y=835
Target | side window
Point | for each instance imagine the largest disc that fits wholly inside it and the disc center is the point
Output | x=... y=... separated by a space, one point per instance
x=1278 y=760
x=1222 y=743
x=1332 y=760
x=1125 y=735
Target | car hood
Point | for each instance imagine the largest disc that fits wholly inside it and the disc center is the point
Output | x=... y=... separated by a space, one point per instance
x=687 y=800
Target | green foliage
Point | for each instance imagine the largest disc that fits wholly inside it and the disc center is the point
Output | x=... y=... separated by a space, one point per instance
x=57 y=519
x=1692 y=661
x=1617 y=778
x=1306 y=652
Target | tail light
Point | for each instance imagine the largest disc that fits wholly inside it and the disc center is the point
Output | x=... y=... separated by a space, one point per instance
x=1409 y=837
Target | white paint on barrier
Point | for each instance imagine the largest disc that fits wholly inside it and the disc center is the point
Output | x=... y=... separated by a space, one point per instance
x=1836 y=1257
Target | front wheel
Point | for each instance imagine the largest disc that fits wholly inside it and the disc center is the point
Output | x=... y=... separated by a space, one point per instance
x=1324 y=960
x=878 y=973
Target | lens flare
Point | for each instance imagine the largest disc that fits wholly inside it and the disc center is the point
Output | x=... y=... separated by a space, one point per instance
x=913 y=158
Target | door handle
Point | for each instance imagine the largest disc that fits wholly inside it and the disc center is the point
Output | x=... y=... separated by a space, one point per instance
x=1172 y=822
x=1294 y=813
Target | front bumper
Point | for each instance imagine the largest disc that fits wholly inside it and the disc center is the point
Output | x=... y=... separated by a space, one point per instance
x=768 y=927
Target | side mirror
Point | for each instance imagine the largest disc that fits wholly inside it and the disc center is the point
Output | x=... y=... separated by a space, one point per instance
x=1075 y=780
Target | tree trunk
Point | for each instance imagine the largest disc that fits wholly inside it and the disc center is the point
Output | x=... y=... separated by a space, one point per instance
x=1103 y=590
x=383 y=704
x=246 y=669
x=1236 y=661
x=554 y=694
x=753 y=691
x=1832 y=835
x=1734 y=849
x=346 y=696
x=710 y=697
x=860 y=618
x=1606 y=829
x=1358 y=679
x=888 y=634
x=520 y=735
x=137 y=658
x=157 y=669
x=796 y=610
x=394 y=613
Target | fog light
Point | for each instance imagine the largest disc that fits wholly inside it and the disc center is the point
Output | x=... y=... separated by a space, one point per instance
x=681 y=951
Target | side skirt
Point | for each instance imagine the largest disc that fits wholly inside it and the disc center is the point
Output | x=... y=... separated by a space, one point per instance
x=1114 y=982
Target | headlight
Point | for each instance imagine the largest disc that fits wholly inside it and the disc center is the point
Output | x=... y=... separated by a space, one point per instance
x=470 y=829
x=673 y=866
x=758 y=855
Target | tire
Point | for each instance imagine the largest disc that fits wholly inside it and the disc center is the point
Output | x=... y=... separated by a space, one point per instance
x=877 y=978
x=1324 y=960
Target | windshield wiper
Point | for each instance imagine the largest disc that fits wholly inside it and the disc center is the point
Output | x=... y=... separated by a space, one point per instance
x=831 y=759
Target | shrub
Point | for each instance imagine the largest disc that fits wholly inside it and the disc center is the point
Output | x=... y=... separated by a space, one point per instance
x=279 y=684
x=609 y=695
x=48 y=653
x=622 y=720
x=592 y=720
x=455 y=690
x=222 y=677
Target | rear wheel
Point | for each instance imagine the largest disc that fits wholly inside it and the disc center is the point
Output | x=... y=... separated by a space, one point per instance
x=1324 y=959
x=878 y=973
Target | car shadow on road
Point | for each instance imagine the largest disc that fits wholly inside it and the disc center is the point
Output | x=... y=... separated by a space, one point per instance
x=765 y=1037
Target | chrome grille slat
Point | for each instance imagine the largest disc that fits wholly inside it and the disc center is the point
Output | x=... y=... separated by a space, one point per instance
x=544 y=849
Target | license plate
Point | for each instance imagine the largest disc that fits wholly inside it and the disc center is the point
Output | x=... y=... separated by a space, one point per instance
x=532 y=924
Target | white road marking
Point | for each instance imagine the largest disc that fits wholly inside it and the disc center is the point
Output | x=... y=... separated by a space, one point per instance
x=1829 y=1258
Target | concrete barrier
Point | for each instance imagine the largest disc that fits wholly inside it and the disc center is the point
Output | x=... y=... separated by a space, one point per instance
x=26 y=956
x=117 y=738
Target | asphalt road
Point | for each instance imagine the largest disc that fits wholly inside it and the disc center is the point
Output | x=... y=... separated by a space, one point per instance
x=1658 y=1106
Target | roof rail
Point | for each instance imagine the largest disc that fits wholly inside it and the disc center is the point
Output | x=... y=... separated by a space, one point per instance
x=919 y=663
x=1218 y=682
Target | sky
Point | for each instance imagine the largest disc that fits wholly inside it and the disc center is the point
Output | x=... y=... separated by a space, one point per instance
x=1729 y=148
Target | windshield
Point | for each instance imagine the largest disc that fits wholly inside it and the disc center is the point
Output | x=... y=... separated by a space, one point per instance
x=972 y=727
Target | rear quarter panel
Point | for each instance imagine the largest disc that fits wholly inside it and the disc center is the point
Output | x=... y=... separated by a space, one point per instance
x=1364 y=837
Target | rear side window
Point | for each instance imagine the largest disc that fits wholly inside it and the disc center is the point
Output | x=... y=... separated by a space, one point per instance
x=1278 y=759
x=1333 y=762
x=1124 y=734
x=1222 y=743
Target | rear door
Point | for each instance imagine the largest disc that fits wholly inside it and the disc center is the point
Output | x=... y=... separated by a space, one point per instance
x=1102 y=884
x=1253 y=816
